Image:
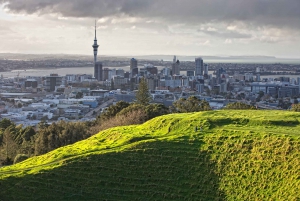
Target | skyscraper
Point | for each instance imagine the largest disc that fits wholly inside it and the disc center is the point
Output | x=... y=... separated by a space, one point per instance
x=98 y=71
x=133 y=64
x=199 y=66
x=205 y=69
x=134 y=67
x=176 y=68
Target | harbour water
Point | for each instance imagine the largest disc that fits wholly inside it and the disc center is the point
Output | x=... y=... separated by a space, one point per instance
x=87 y=70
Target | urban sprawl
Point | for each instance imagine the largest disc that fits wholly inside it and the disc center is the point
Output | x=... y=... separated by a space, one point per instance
x=28 y=100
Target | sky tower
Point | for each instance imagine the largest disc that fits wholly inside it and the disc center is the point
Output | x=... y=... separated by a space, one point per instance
x=95 y=46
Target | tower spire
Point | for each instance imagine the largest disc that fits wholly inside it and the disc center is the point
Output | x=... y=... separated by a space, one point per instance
x=95 y=45
x=95 y=30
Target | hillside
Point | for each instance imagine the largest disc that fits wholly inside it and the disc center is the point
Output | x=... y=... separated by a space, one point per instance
x=238 y=155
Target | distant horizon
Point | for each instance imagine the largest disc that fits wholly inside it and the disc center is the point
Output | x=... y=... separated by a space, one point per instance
x=164 y=55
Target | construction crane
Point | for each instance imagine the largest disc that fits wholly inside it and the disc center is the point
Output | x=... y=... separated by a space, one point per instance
x=18 y=74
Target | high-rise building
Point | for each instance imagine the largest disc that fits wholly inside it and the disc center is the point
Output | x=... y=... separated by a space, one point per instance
x=176 y=68
x=98 y=71
x=120 y=72
x=190 y=73
x=52 y=81
x=133 y=64
x=166 y=71
x=134 y=67
x=206 y=69
x=199 y=66
x=106 y=74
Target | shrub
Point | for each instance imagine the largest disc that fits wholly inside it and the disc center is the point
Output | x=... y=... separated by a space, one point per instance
x=239 y=106
x=296 y=107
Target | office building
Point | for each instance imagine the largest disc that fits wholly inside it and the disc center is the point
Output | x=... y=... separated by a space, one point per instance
x=176 y=68
x=199 y=66
x=106 y=74
x=190 y=73
x=31 y=83
x=52 y=81
x=98 y=71
x=133 y=64
x=120 y=72
x=205 y=70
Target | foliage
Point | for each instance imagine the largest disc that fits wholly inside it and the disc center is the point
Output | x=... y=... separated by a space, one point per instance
x=5 y=123
x=129 y=118
x=156 y=110
x=143 y=95
x=113 y=110
x=79 y=95
x=284 y=104
x=296 y=107
x=191 y=104
x=249 y=155
x=59 y=134
x=239 y=106
x=20 y=157
x=260 y=95
x=8 y=143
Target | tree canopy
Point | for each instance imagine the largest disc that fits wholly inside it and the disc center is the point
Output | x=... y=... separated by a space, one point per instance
x=239 y=106
x=191 y=104
x=143 y=96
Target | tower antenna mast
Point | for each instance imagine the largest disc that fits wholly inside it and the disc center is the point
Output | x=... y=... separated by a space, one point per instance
x=95 y=45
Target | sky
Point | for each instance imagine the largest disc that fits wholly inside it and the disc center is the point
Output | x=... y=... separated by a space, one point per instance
x=152 y=27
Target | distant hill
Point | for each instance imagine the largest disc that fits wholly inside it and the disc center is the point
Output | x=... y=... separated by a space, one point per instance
x=232 y=155
x=206 y=58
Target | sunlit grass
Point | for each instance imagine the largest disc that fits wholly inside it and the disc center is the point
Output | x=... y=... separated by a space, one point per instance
x=238 y=155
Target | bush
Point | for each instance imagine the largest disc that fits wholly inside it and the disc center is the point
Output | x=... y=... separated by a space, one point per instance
x=20 y=157
x=296 y=107
x=7 y=161
x=239 y=106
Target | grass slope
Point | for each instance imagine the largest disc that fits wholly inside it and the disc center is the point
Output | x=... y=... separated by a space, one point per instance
x=239 y=155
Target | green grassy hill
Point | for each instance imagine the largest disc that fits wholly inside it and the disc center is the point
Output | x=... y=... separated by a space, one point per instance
x=239 y=155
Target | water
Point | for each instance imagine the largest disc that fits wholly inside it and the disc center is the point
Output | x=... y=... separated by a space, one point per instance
x=59 y=71
x=89 y=70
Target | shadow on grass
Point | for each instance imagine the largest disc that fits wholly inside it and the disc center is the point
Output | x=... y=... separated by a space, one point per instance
x=161 y=170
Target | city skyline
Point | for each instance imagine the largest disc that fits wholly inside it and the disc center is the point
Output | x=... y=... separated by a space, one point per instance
x=223 y=27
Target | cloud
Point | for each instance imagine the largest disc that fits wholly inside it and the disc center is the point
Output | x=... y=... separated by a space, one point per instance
x=259 y=12
x=226 y=34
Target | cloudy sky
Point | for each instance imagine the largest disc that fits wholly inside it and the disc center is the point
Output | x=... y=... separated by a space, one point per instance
x=144 y=27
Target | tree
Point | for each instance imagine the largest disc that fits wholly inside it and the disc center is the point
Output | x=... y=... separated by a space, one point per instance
x=79 y=95
x=5 y=123
x=143 y=96
x=9 y=145
x=239 y=106
x=295 y=107
x=260 y=95
x=191 y=104
x=20 y=105
x=155 y=110
x=113 y=110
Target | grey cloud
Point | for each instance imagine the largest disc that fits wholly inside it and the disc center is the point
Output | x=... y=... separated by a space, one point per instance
x=227 y=34
x=260 y=12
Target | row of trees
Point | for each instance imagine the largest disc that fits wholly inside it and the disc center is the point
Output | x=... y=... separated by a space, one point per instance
x=18 y=143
